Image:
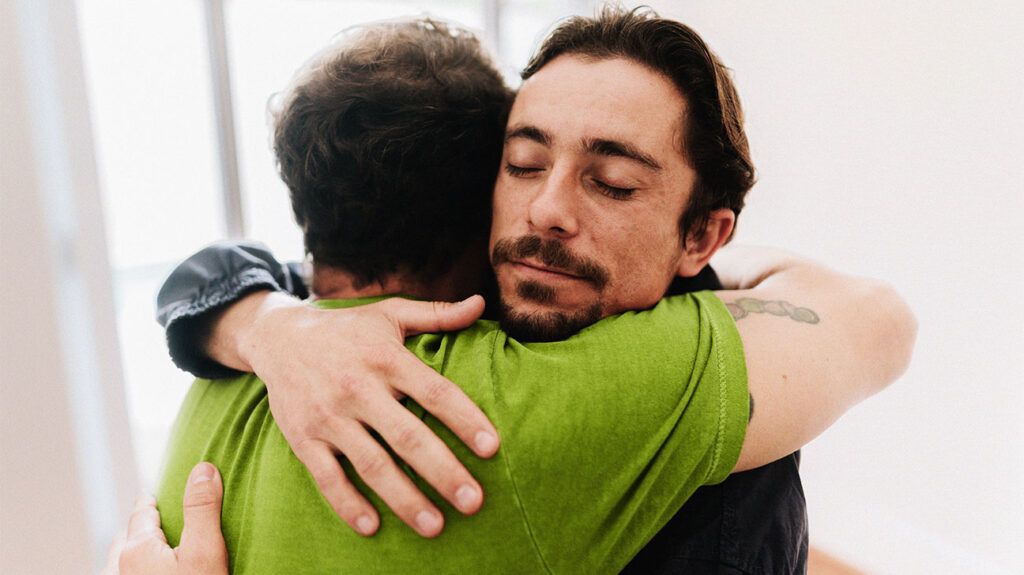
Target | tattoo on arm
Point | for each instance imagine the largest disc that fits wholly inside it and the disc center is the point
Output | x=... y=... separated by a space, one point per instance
x=748 y=305
x=750 y=414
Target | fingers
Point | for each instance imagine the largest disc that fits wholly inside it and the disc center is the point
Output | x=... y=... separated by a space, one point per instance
x=415 y=317
x=202 y=546
x=114 y=554
x=379 y=471
x=345 y=499
x=447 y=402
x=145 y=549
x=145 y=520
x=418 y=446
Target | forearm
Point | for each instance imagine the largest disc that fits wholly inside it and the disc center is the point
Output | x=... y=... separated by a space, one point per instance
x=746 y=267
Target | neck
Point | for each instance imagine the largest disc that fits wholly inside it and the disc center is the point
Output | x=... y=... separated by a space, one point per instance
x=333 y=283
x=464 y=278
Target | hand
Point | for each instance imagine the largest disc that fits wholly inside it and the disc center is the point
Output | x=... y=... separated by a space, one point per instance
x=332 y=375
x=143 y=549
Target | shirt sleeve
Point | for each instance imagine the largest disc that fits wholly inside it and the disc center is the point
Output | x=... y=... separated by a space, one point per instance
x=631 y=416
x=207 y=282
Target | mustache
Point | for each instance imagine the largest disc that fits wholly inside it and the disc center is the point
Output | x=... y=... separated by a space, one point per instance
x=551 y=253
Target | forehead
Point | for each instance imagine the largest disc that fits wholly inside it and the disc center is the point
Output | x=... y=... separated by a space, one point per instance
x=575 y=98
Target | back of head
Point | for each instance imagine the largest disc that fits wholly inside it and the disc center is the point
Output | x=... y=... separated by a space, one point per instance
x=389 y=141
x=714 y=141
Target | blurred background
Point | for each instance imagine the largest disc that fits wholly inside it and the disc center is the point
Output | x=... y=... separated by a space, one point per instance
x=889 y=139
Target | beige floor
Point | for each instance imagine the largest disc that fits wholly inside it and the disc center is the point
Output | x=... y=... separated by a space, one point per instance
x=821 y=563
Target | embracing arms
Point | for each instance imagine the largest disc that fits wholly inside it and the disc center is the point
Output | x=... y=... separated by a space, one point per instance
x=816 y=343
x=331 y=377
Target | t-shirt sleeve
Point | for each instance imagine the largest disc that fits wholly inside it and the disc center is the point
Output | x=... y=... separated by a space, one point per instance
x=607 y=434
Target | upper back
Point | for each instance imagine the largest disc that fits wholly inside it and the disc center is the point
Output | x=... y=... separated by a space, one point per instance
x=604 y=436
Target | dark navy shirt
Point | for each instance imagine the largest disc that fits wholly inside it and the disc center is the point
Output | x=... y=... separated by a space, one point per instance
x=755 y=522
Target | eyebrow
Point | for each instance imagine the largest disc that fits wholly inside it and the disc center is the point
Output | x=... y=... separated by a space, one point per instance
x=531 y=133
x=597 y=146
x=616 y=149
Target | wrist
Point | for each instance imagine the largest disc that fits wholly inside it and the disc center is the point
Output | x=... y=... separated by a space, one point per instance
x=236 y=333
x=267 y=317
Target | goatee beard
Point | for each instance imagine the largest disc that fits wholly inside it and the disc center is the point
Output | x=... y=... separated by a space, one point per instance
x=546 y=326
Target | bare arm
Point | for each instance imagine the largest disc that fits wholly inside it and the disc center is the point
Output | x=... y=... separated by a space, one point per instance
x=816 y=341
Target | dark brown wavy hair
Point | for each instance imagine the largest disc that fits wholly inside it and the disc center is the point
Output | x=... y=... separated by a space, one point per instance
x=714 y=141
x=389 y=142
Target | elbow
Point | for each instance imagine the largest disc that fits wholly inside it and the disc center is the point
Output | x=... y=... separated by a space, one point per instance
x=897 y=328
x=882 y=338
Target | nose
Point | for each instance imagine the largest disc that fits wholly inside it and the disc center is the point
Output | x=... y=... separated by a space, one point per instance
x=554 y=210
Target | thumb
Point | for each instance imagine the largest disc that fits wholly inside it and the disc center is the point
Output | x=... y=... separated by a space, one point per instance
x=415 y=317
x=202 y=547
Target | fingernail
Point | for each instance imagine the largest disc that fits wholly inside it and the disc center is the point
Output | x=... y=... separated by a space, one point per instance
x=467 y=497
x=365 y=525
x=428 y=522
x=485 y=442
x=202 y=472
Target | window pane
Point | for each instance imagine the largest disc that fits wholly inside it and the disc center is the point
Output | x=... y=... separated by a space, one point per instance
x=148 y=76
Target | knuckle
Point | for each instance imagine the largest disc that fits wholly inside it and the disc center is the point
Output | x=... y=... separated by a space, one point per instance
x=371 y=464
x=347 y=389
x=319 y=412
x=135 y=551
x=141 y=519
x=408 y=438
x=383 y=360
x=306 y=449
x=435 y=392
x=346 y=385
x=128 y=560
x=201 y=496
x=206 y=558
x=325 y=477
x=309 y=431
x=349 y=508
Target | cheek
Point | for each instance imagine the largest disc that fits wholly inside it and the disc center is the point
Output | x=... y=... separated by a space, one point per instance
x=502 y=208
x=509 y=192
x=643 y=265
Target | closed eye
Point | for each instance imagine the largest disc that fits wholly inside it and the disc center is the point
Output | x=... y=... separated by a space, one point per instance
x=614 y=192
x=519 y=171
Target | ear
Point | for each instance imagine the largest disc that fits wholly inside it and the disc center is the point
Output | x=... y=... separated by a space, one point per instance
x=699 y=249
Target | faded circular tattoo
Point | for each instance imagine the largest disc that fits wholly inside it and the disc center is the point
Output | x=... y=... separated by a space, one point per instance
x=805 y=315
x=736 y=311
x=750 y=304
x=787 y=307
x=775 y=308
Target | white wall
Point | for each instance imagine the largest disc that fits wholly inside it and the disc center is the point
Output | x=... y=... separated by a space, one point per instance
x=889 y=138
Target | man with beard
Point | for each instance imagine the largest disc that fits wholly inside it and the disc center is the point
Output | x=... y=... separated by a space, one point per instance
x=605 y=195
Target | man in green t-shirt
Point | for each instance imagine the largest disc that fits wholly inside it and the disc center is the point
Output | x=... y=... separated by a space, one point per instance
x=601 y=446
x=605 y=194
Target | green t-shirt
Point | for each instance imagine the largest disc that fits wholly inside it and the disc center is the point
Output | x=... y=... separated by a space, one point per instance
x=604 y=437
